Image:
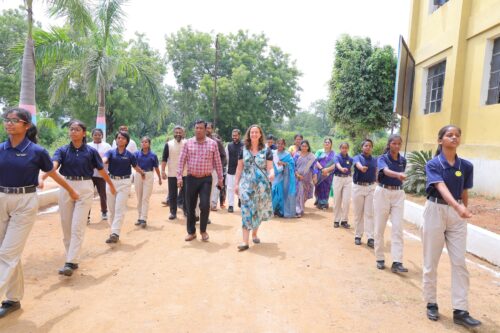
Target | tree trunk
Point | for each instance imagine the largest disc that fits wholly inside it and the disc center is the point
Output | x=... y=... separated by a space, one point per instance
x=101 y=112
x=27 y=94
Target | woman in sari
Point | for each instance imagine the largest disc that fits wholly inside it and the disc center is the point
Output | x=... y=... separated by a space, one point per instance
x=323 y=174
x=304 y=168
x=284 y=182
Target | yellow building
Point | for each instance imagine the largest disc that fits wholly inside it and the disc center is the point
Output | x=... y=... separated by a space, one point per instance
x=456 y=47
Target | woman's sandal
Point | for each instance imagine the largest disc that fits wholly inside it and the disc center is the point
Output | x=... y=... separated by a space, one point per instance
x=256 y=240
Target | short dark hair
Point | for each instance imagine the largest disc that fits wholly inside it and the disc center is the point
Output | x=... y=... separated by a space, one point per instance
x=97 y=130
x=200 y=121
x=298 y=136
x=209 y=123
x=125 y=135
x=237 y=131
x=270 y=137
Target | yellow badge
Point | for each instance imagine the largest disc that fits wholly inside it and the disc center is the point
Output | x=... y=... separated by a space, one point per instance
x=458 y=173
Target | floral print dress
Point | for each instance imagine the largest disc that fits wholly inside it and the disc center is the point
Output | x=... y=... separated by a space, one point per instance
x=255 y=188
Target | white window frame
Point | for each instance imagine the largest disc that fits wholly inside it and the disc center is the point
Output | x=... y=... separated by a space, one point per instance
x=424 y=88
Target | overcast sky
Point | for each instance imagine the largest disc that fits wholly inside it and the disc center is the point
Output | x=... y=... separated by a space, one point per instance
x=307 y=30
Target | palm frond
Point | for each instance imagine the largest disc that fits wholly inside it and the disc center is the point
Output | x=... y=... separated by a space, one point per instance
x=110 y=15
x=416 y=175
x=77 y=12
x=61 y=79
x=54 y=46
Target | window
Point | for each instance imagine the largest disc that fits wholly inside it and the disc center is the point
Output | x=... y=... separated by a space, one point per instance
x=494 y=85
x=434 y=88
x=435 y=4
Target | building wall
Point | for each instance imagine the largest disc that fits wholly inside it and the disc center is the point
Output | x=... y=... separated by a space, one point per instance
x=462 y=32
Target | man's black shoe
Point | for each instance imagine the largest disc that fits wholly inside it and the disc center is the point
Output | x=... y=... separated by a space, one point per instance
x=113 y=238
x=8 y=307
x=370 y=243
x=357 y=241
x=336 y=224
x=230 y=209
x=463 y=318
x=432 y=311
x=172 y=216
x=380 y=264
x=344 y=224
x=398 y=267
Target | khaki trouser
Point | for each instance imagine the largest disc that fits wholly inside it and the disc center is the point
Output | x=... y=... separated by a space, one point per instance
x=230 y=189
x=389 y=202
x=443 y=224
x=341 y=198
x=143 y=190
x=74 y=215
x=117 y=204
x=362 y=204
x=17 y=215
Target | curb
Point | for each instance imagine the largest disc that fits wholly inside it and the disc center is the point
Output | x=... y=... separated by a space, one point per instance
x=480 y=242
x=49 y=197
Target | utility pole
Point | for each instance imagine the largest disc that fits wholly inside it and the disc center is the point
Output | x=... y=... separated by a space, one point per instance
x=214 y=96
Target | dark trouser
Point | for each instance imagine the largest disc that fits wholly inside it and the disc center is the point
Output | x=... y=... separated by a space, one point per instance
x=175 y=197
x=197 y=187
x=222 y=192
x=100 y=184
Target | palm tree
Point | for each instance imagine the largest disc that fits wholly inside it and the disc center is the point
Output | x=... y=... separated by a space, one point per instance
x=76 y=13
x=94 y=58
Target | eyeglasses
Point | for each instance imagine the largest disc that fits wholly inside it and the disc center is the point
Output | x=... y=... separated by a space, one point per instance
x=13 y=121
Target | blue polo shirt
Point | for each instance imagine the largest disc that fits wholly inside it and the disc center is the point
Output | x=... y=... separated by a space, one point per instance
x=20 y=165
x=120 y=164
x=345 y=162
x=77 y=162
x=371 y=174
x=457 y=177
x=146 y=162
x=386 y=161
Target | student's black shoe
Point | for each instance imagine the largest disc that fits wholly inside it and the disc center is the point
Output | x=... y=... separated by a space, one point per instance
x=370 y=243
x=398 y=267
x=336 y=224
x=380 y=264
x=230 y=209
x=463 y=318
x=344 y=224
x=113 y=238
x=138 y=222
x=432 y=311
x=65 y=270
x=357 y=241
x=172 y=216
x=8 y=307
x=143 y=224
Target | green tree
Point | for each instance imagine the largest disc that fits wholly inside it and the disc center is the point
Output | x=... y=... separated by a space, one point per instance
x=362 y=86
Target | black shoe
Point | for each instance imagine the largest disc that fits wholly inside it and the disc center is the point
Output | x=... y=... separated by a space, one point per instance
x=113 y=238
x=357 y=241
x=138 y=222
x=230 y=209
x=197 y=218
x=239 y=203
x=432 y=311
x=243 y=247
x=344 y=224
x=8 y=307
x=172 y=216
x=336 y=224
x=463 y=318
x=209 y=222
x=143 y=224
x=380 y=264
x=64 y=271
x=370 y=243
x=398 y=267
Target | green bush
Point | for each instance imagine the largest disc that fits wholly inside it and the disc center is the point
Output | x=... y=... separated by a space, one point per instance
x=416 y=176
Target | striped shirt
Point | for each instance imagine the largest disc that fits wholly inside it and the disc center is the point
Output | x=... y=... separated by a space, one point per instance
x=201 y=158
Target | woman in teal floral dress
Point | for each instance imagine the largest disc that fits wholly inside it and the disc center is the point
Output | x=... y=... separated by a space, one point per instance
x=253 y=184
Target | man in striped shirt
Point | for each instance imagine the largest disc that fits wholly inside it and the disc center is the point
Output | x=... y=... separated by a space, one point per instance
x=201 y=155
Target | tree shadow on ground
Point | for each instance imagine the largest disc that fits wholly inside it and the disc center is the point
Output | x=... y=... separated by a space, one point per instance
x=78 y=282
x=13 y=325
x=270 y=250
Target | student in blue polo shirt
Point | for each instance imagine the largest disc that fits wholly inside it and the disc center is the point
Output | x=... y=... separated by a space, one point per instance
x=77 y=162
x=389 y=199
x=147 y=161
x=21 y=160
x=120 y=162
x=448 y=179
x=342 y=185
x=365 y=174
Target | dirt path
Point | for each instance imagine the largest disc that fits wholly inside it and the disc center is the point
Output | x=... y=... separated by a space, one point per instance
x=304 y=277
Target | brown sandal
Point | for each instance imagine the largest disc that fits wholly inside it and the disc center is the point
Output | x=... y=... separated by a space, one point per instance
x=190 y=237
x=204 y=237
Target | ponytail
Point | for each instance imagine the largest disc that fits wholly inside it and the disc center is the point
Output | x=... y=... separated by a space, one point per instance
x=32 y=134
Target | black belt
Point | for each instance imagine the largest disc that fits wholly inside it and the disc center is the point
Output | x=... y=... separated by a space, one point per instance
x=364 y=183
x=440 y=201
x=391 y=187
x=343 y=176
x=77 y=178
x=147 y=170
x=119 y=177
x=18 y=190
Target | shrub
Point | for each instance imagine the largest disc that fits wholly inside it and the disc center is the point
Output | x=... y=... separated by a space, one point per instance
x=416 y=176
